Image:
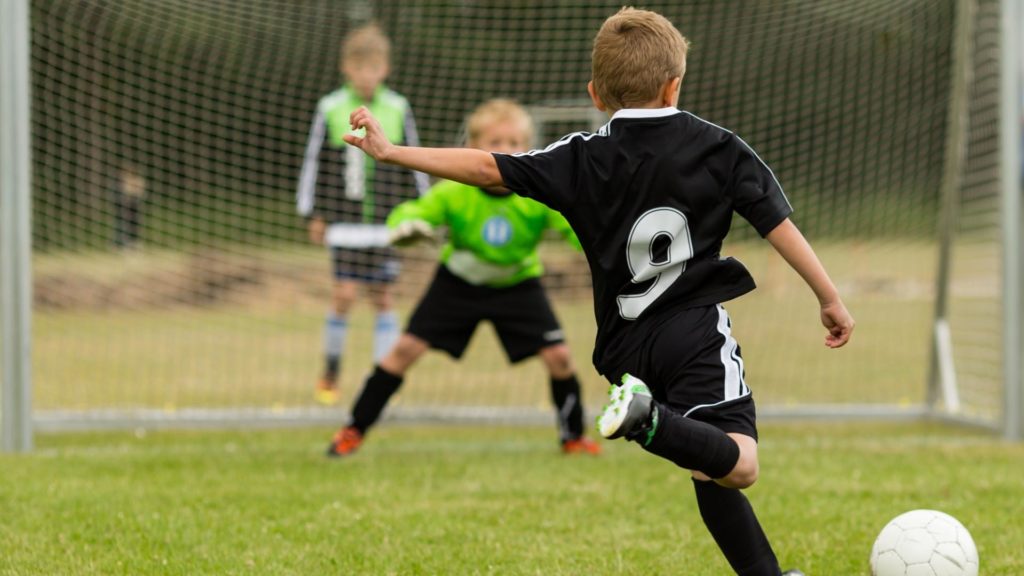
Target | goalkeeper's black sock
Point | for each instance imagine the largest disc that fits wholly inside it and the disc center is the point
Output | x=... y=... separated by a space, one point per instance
x=569 y=409
x=734 y=526
x=692 y=444
x=377 y=390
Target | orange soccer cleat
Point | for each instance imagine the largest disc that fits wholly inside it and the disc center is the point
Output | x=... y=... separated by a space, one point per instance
x=581 y=445
x=346 y=441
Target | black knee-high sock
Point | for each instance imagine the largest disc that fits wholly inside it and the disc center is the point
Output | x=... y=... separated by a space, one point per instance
x=732 y=523
x=691 y=444
x=376 y=392
x=569 y=409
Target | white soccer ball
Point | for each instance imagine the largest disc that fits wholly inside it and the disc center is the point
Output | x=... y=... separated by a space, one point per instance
x=924 y=543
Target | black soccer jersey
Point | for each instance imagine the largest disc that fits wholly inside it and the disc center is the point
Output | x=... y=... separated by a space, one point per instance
x=651 y=196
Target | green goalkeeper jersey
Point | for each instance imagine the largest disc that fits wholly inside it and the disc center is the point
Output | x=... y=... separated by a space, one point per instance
x=492 y=239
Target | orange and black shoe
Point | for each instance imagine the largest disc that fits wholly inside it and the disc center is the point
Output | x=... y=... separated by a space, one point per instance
x=346 y=441
x=326 y=392
x=581 y=445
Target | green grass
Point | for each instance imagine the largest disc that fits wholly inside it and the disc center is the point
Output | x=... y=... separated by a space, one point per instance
x=452 y=500
x=481 y=500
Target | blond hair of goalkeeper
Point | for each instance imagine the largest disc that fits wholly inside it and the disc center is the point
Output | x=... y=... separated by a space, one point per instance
x=499 y=125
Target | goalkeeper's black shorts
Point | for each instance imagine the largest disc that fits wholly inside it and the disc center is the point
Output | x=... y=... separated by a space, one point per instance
x=450 y=310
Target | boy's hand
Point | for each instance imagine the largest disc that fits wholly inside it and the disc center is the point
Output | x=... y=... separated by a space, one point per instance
x=374 y=142
x=838 y=322
x=317 y=226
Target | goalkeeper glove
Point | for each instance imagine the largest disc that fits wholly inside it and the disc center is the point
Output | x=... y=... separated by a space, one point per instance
x=410 y=232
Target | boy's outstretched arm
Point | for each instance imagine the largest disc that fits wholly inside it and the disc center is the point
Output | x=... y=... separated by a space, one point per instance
x=466 y=165
x=793 y=247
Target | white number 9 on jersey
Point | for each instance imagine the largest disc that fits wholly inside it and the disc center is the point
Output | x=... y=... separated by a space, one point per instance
x=657 y=224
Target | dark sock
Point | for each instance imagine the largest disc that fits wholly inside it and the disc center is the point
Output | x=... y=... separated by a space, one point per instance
x=569 y=410
x=374 y=396
x=734 y=526
x=692 y=444
x=333 y=367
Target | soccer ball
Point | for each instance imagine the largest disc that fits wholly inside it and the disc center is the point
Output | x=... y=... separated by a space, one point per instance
x=924 y=543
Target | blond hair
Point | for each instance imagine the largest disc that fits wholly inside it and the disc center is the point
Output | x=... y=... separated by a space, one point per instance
x=635 y=53
x=366 y=43
x=494 y=111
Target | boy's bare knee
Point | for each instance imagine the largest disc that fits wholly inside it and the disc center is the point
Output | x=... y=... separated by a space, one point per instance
x=343 y=296
x=406 y=349
x=558 y=360
x=380 y=295
x=742 y=476
x=745 y=473
x=404 y=354
x=341 y=306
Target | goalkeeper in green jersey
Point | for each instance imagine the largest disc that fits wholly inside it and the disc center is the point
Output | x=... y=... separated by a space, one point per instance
x=489 y=270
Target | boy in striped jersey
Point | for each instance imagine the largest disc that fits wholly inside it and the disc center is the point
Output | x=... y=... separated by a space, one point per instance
x=489 y=270
x=346 y=196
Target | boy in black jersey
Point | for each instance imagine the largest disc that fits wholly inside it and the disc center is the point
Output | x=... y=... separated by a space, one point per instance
x=650 y=196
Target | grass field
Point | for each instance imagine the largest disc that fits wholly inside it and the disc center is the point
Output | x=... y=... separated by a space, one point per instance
x=502 y=501
x=129 y=331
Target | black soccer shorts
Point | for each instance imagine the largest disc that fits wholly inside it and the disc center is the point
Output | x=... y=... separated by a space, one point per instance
x=447 y=316
x=692 y=364
x=370 y=265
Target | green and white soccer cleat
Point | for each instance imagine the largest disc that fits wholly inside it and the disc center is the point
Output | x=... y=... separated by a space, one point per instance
x=628 y=410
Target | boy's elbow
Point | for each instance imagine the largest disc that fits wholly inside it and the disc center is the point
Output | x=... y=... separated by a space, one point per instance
x=489 y=176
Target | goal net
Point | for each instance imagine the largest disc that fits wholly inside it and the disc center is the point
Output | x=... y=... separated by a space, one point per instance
x=174 y=280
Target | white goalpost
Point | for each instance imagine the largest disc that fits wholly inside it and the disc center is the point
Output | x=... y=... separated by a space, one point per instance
x=15 y=230
x=1012 y=114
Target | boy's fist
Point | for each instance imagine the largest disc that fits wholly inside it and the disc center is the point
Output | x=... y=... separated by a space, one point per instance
x=838 y=322
x=373 y=141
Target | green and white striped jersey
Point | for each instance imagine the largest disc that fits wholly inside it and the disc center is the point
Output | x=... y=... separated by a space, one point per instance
x=344 y=186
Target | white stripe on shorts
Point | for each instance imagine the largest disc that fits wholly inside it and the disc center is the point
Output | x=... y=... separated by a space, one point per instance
x=731 y=361
x=734 y=385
